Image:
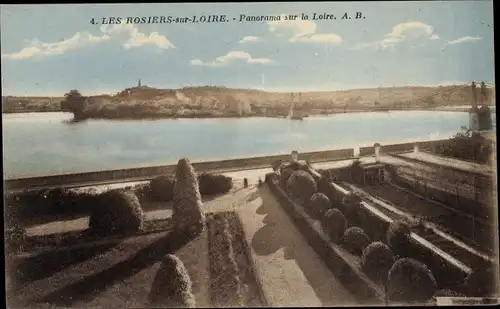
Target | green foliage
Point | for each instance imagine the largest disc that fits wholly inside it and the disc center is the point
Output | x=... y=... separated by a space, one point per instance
x=376 y=260
x=355 y=240
x=116 y=212
x=162 y=188
x=319 y=204
x=226 y=282
x=301 y=186
x=211 y=184
x=351 y=205
x=73 y=102
x=481 y=283
x=334 y=224
x=467 y=146
x=172 y=286
x=398 y=236
x=410 y=281
x=285 y=173
x=188 y=215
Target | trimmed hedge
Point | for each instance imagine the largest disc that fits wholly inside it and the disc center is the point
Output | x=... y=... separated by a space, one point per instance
x=334 y=257
x=376 y=261
x=318 y=205
x=226 y=285
x=481 y=283
x=211 y=184
x=410 y=281
x=172 y=286
x=355 y=240
x=187 y=215
x=398 y=236
x=116 y=212
x=334 y=224
x=162 y=188
x=301 y=186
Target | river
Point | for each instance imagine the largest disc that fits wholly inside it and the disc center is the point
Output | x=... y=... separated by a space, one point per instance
x=45 y=143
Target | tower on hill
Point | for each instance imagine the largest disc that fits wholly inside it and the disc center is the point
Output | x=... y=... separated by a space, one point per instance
x=139 y=83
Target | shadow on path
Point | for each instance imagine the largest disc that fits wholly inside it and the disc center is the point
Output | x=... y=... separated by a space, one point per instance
x=279 y=232
x=46 y=264
x=89 y=287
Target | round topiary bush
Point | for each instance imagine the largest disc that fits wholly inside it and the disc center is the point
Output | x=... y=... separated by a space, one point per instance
x=211 y=184
x=355 y=240
x=481 y=283
x=301 y=186
x=376 y=260
x=285 y=173
x=319 y=204
x=116 y=212
x=410 y=281
x=398 y=236
x=187 y=215
x=334 y=224
x=351 y=205
x=162 y=188
x=172 y=286
x=323 y=184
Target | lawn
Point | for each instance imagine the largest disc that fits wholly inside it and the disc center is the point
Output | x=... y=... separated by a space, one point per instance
x=118 y=273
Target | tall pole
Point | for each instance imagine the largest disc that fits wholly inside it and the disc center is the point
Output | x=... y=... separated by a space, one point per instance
x=474 y=97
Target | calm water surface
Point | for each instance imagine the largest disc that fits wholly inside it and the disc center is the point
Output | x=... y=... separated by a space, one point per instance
x=45 y=143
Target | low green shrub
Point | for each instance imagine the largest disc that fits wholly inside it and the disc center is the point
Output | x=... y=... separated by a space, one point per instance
x=351 y=206
x=301 y=186
x=376 y=261
x=226 y=283
x=162 y=188
x=481 y=283
x=355 y=240
x=212 y=184
x=172 y=287
x=284 y=174
x=116 y=212
x=410 y=281
x=398 y=237
x=334 y=224
x=318 y=205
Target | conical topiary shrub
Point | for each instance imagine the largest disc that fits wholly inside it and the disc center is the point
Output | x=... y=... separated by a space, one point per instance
x=116 y=212
x=188 y=215
x=376 y=260
x=398 y=237
x=410 y=281
x=355 y=240
x=319 y=204
x=301 y=186
x=334 y=224
x=172 y=286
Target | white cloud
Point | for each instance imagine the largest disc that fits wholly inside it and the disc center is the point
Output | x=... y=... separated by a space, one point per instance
x=464 y=39
x=137 y=38
x=134 y=38
x=230 y=57
x=37 y=48
x=302 y=31
x=249 y=39
x=400 y=33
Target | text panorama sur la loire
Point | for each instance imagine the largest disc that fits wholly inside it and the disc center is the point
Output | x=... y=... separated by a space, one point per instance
x=219 y=18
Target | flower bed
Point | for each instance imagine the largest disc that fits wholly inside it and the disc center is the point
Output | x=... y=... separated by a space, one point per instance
x=449 y=276
x=338 y=260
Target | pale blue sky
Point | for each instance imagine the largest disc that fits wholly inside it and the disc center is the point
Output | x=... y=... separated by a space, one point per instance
x=50 y=49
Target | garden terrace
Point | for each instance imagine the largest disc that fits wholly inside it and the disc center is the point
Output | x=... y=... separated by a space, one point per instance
x=119 y=272
x=450 y=272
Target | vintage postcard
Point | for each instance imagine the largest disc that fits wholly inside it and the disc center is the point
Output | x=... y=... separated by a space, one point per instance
x=249 y=154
